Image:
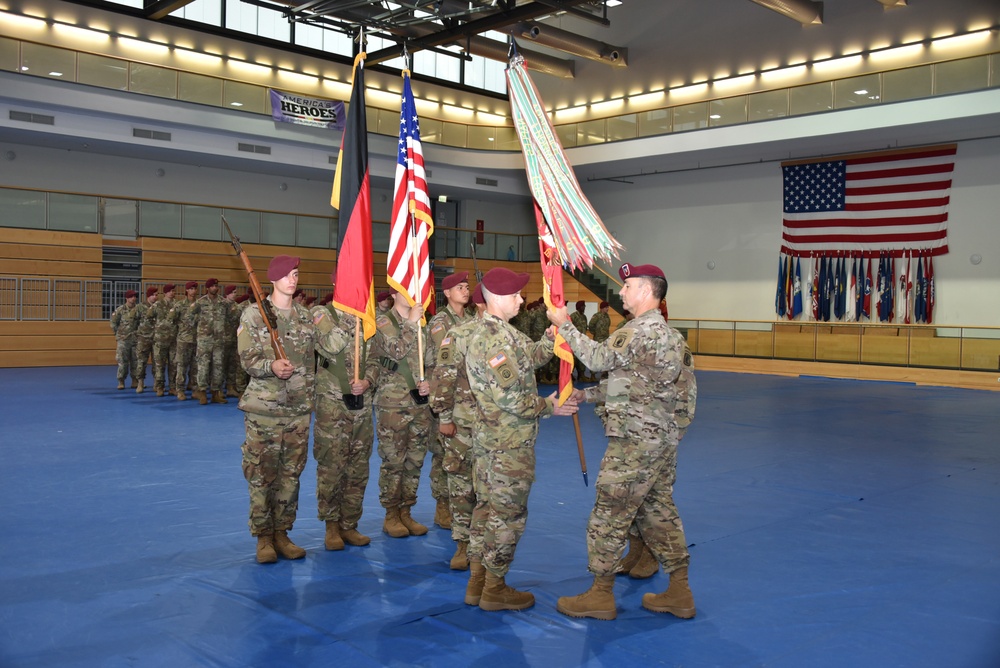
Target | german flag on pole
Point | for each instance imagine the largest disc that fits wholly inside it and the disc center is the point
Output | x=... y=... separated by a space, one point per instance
x=355 y=289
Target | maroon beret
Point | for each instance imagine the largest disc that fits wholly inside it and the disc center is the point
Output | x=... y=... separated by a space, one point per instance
x=450 y=281
x=298 y=291
x=150 y=291
x=190 y=284
x=281 y=266
x=477 y=294
x=210 y=282
x=230 y=289
x=580 y=305
x=309 y=300
x=242 y=298
x=382 y=296
x=604 y=305
x=327 y=298
x=169 y=287
x=130 y=293
x=633 y=271
x=502 y=281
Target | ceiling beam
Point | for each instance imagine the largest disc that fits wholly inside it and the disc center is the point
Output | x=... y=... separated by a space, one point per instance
x=157 y=9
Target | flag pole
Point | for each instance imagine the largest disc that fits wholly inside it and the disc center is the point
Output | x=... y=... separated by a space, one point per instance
x=416 y=274
x=357 y=347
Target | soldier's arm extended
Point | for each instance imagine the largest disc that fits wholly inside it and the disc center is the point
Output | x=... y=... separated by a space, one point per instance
x=597 y=355
x=254 y=344
x=540 y=352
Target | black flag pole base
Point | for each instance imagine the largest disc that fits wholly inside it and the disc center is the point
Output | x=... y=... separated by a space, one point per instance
x=585 y=483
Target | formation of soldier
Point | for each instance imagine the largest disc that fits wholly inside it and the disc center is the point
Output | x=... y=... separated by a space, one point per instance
x=192 y=341
x=462 y=387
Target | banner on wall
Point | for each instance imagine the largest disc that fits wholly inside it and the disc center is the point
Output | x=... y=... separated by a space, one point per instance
x=288 y=108
x=868 y=204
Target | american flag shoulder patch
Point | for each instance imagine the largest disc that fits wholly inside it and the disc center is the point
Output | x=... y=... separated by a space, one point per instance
x=499 y=359
x=318 y=317
x=239 y=330
x=446 y=341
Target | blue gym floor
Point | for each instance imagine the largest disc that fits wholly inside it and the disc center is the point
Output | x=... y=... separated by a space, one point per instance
x=832 y=523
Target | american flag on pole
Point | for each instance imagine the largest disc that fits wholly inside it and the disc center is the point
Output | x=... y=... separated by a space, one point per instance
x=871 y=203
x=408 y=263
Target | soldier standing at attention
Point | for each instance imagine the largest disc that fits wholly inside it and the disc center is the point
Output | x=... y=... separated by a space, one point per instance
x=164 y=340
x=645 y=358
x=403 y=418
x=344 y=433
x=231 y=359
x=124 y=323
x=185 y=315
x=456 y=291
x=144 y=337
x=580 y=322
x=383 y=302
x=452 y=402
x=277 y=408
x=502 y=380
x=211 y=330
x=600 y=329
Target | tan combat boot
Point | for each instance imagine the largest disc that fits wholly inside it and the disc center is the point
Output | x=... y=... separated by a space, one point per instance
x=647 y=567
x=635 y=548
x=218 y=397
x=477 y=578
x=265 y=549
x=159 y=391
x=414 y=527
x=232 y=393
x=200 y=395
x=392 y=525
x=135 y=383
x=285 y=547
x=140 y=387
x=460 y=560
x=677 y=599
x=442 y=514
x=497 y=595
x=332 y=540
x=598 y=602
x=354 y=537
x=181 y=396
x=121 y=384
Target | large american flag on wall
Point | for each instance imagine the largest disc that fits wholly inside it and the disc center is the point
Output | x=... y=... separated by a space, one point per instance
x=866 y=204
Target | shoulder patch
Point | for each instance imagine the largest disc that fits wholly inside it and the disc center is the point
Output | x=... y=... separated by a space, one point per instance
x=621 y=338
x=444 y=352
x=688 y=358
x=318 y=316
x=503 y=369
x=383 y=321
x=437 y=328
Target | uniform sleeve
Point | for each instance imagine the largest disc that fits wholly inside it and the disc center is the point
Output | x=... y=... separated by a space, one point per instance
x=116 y=319
x=487 y=377
x=687 y=392
x=437 y=330
x=331 y=338
x=396 y=347
x=254 y=345
x=373 y=370
x=540 y=352
x=444 y=377
x=597 y=355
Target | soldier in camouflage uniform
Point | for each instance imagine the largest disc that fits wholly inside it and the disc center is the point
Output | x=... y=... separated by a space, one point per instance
x=124 y=323
x=144 y=337
x=343 y=435
x=164 y=340
x=456 y=291
x=645 y=359
x=211 y=310
x=580 y=322
x=231 y=367
x=403 y=425
x=502 y=381
x=277 y=408
x=185 y=315
x=600 y=329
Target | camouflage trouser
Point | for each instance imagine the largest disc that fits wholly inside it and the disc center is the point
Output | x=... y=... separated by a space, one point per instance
x=236 y=377
x=274 y=454
x=209 y=360
x=185 y=369
x=457 y=463
x=503 y=481
x=636 y=483
x=439 y=477
x=164 y=360
x=143 y=349
x=402 y=445
x=342 y=446
x=125 y=356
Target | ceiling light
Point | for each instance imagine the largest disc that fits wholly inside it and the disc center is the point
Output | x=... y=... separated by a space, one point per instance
x=55 y=74
x=612 y=3
x=861 y=92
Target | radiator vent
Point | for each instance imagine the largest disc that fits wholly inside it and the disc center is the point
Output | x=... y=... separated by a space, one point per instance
x=27 y=117
x=480 y=181
x=143 y=133
x=255 y=148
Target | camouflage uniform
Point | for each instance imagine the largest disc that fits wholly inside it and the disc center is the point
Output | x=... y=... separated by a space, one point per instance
x=402 y=426
x=164 y=343
x=502 y=380
x=234 y=374
x=437 y=328
x=580 y=322
x=186 y=316
x=451 y=399
x=124 y=323
x=645 y=358
x=211 y=328
x=144 y=339
x=600 y=326
x=342 y=438
x=277 y=414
